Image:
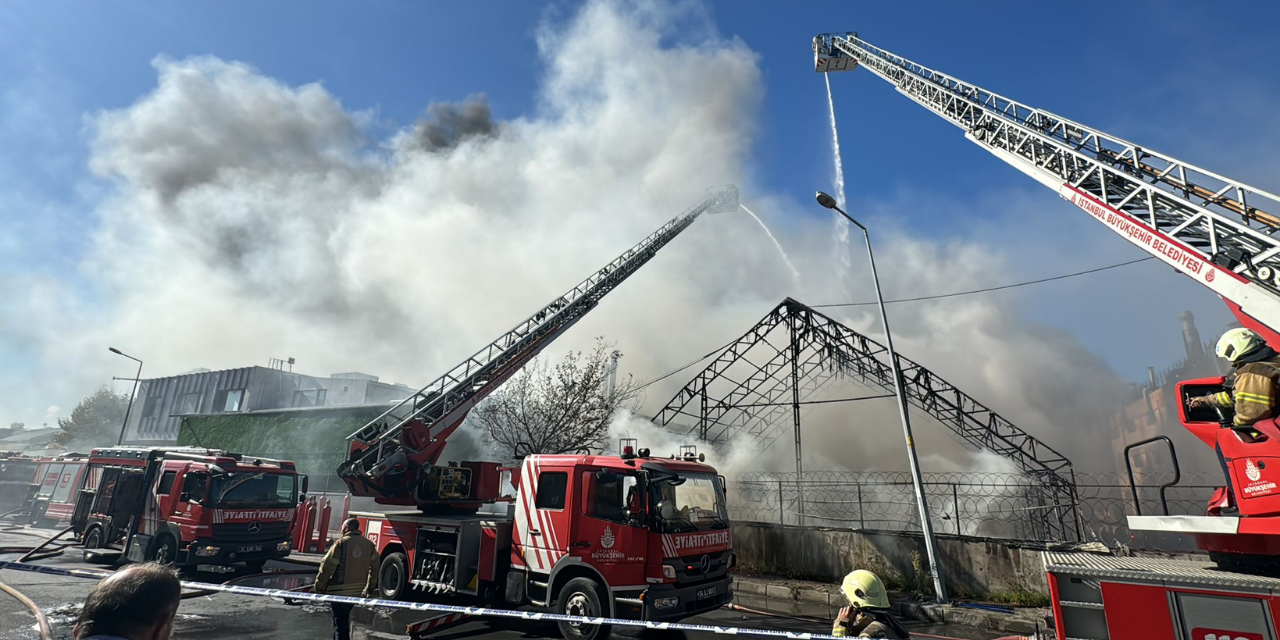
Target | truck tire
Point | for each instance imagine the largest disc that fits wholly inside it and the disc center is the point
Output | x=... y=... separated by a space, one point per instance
x=393 y=576
x=37 y=515
x=93 y=538
x=165 y=550
x=581 y=597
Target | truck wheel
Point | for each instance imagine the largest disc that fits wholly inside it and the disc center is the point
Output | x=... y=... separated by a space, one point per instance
x=93 y=538
x=393 y=576
x=37 y=514
x=165 y=550
x=581 y=597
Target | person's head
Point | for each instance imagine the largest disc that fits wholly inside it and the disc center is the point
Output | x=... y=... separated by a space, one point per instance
x=1238 y=343
x=137 y=602
x=865 y=590
x=351 y=526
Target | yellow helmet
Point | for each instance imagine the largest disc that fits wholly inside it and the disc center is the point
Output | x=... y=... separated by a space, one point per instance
x=865 y=590
x=1238 y=342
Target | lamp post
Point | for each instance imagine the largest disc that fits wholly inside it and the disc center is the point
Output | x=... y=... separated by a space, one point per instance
x=136 y=379
x=926 y=526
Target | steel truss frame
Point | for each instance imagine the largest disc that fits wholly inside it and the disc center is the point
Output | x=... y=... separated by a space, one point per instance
x=818 y=349
x=1189 y=217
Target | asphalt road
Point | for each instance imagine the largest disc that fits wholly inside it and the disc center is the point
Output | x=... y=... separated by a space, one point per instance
x=224 y=616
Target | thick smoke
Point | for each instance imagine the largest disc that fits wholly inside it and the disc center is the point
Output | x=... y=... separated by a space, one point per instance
x=250 y=219
x=448 y=125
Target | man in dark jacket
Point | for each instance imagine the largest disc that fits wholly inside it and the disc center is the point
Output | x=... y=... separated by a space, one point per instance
x=350 y=568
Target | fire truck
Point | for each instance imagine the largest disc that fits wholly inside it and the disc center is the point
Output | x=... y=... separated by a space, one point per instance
x=590 y=535
x=584 y=534
x=186 y=506
x=1218 y=231
x=52 y=495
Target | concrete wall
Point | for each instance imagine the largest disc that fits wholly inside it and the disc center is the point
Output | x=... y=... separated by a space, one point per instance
x=970 y=566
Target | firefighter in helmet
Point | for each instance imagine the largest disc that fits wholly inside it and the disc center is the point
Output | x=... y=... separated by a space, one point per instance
x=1251 y=389
x=867 y=615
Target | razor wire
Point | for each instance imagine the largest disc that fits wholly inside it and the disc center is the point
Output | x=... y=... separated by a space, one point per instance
x=989 y=505
x=440 y=608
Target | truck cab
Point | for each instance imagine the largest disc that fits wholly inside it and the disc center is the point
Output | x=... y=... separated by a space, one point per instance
x=186 y=506
x=651 y=534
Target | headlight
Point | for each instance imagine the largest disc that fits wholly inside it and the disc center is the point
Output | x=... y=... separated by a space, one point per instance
x=283 y=546
x=668 y=572
x=204 y=552
x=666 y=603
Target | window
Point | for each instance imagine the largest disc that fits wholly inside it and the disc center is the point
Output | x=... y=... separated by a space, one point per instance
x=195 y=486
x=309 y=398
x=228 y=400
x=609 y=495
x=551 y=489
x=166 y=482
x=188 y=403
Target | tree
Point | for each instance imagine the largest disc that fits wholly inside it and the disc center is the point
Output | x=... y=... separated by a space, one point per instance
x=557 y=409
x=96 y=420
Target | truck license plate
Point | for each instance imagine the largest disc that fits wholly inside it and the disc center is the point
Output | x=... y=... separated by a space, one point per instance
x=256 y=547
x=706 y=593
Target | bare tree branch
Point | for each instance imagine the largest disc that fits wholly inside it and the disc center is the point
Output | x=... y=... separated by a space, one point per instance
x=557 y=409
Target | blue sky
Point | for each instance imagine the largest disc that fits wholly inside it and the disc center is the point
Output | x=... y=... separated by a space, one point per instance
x=1198 y=82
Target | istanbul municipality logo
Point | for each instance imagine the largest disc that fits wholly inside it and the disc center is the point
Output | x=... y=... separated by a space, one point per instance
x=607 y=539
x=1252 y=471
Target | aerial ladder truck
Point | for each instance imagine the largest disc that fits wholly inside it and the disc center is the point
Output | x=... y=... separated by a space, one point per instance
x=628 y=535
x=1216 y=230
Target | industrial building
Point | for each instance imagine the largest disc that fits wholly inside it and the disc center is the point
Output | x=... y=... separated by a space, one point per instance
x=157 y=411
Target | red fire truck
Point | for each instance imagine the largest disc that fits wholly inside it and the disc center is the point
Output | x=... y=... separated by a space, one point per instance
x=629 y=535
x=52 y=495
x=186 y=506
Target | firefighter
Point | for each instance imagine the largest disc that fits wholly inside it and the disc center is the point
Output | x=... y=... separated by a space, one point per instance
x=350 y=568
x=1251 y=389
x=867 y=615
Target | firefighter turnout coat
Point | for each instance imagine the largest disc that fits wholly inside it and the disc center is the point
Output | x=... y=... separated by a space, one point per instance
x=1254 y=391
x=350 y=568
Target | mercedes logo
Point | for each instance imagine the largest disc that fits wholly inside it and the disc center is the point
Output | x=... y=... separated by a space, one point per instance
x=706 y=564
x=255 y=526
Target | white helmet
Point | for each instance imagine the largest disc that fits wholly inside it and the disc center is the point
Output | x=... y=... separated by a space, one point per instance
x=1237 y=343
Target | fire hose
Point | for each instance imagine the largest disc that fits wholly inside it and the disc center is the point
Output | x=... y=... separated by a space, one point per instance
x=46 y=633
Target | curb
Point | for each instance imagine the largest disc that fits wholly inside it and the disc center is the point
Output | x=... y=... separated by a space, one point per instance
x=817 y=603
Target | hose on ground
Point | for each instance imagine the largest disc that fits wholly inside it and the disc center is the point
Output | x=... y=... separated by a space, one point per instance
x=46 y=633
x=47 y=543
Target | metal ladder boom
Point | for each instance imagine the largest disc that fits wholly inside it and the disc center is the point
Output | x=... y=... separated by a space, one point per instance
x=1210 y=227
x=435 y=410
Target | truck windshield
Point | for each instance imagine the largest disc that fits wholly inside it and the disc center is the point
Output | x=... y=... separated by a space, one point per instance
x=694 y=504
x=254 y=489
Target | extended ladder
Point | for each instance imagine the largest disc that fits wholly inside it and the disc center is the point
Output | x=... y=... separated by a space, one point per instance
x=389 y=453
x=1212 y=228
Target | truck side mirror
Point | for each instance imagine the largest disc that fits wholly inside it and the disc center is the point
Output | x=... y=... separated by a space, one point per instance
x=305 y=482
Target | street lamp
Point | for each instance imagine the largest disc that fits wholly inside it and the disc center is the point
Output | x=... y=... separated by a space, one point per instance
x=926 y=525
x=136 y=379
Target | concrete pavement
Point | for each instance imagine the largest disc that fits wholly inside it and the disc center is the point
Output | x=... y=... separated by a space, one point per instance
x=222 y=616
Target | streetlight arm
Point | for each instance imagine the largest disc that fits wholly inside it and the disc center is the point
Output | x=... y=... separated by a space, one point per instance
x=121 y=353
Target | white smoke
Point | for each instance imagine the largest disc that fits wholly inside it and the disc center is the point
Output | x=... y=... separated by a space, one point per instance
x=250 y=219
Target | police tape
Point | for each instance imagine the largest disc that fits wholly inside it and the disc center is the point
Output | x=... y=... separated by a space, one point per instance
x=440 y=608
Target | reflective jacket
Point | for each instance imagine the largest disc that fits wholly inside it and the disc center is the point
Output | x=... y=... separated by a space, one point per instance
x=350 y=568
x=1254 y=393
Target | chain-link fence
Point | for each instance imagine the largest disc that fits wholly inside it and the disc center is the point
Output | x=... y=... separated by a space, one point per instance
x=992 y=505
